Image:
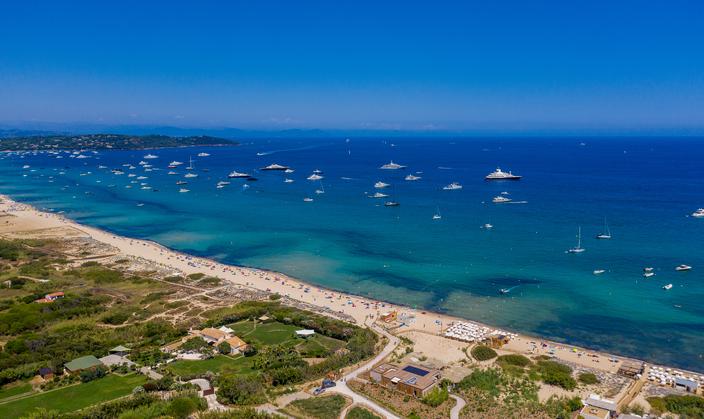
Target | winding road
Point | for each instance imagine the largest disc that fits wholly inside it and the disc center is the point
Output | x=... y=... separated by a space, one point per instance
x=343 y=389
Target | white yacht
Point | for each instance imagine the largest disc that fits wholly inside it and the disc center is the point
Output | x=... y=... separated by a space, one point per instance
x=190 y=164
x=318 y=172
x=236 y=174
x=307 y=199
x=498 y=174
x=488 y=226
x=288 y=180
x=289 y=171
x=191 y=175
x=500 y=199
x=392 y=166
x=599 y=271
x=391 y=204
x=181 y=182
x=648 y=274
x=151 y=156
x=578 y=248
x=698 y=213
x=667 y=287
x=454 y=186
x=381 y=185
x=274 y=167
x=174 y=164
x=437 y=215
x=141 y=177
x=223 y=183
x=683 y=267
x=412 y=177
x=203 y=154
x=379 y=195
x=606 y=234
x=183 y=190
x=171 y=173
x=314 y=176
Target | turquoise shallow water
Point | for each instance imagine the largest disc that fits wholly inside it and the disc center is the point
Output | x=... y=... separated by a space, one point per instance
x=646 y=188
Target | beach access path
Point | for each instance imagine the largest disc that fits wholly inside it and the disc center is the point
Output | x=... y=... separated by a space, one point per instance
x=357 y=398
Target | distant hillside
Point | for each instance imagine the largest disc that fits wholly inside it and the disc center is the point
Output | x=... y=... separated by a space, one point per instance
x=107 y=141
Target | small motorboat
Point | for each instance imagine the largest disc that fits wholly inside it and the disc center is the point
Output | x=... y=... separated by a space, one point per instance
x=667 y=287
x=683 y=267
x=599 y=271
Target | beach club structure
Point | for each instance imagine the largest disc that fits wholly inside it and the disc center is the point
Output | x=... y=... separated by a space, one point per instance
x=470 y=332
x=410 y=379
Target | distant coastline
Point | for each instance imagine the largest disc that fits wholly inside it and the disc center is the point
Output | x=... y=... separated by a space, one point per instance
x=108 y=142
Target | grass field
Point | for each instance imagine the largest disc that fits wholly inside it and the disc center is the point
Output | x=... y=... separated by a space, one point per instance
x=319 y=343
x=273 y=333
x=219 y=363
x=14 y=390
x=68 y=399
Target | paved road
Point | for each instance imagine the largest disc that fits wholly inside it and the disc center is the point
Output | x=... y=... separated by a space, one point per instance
x=455 y=412
x=342 y=387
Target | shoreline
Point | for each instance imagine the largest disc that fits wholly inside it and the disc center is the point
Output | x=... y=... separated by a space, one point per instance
x=329 y=301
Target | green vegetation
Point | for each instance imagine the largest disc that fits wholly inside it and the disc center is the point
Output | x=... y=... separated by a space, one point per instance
x=240 y=389
x=494 y=393
x=488 y=381
x=436 y=396
x=14 y=390
x=273 y=333
x=107 y=141
x=360 y=413
x=556 y=374
x=186 y=368
x=686 y=406
x=515 y=360
x=324 y=407
x=74 y=397
x=587 y=378
x=483 y=353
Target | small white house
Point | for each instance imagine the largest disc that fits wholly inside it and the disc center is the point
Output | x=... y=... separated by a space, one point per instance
x=305 y=333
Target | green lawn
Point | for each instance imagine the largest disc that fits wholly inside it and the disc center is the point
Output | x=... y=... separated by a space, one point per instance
x=218 y=363
x=317 y=343
x=14 y=390
x=265 y=333
x=68 y=399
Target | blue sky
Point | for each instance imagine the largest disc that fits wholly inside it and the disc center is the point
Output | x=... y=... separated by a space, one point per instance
x=596 y=66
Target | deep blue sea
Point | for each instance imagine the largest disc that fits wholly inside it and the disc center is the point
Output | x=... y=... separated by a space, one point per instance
x=644 y=188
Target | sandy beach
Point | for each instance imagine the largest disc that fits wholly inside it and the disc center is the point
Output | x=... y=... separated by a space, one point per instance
x=25 y=218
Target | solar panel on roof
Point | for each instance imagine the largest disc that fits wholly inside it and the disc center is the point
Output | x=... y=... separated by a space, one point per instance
x=415 y=370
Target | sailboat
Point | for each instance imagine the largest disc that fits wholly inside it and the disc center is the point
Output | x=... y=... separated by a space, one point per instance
x=578 y=248
x=607 y=233
x=437 y=215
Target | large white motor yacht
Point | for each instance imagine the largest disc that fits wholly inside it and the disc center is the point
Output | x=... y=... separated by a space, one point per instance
x=498 y=174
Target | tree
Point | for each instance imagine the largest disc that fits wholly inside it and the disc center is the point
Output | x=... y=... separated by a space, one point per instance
x=243 y=390
x=224 y=348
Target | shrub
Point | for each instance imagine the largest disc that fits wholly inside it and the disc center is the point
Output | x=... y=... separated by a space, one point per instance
x=240 y=389
x=556 y=374
x=587 y=378
x=483 y=353
x=686 y=406
x=436 y=397
x=488 y=380
x=93 y=373
x=516 y=360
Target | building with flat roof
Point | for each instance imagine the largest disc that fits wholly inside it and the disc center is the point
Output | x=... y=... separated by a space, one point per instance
x=593 y=412
x=410 y=379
